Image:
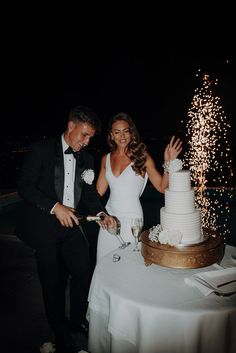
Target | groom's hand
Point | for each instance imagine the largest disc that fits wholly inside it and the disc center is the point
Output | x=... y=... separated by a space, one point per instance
x=65 y=215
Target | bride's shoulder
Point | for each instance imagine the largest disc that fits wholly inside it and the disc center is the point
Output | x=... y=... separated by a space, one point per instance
x=104 y=158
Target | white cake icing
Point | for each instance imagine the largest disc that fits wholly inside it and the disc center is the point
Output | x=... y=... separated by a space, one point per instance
x=180 y=181
x=180 y=202
x=179 y=212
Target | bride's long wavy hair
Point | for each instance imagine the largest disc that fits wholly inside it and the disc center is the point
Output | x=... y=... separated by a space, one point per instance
x=136 y=149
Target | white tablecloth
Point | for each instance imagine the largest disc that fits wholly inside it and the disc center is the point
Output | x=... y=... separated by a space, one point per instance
x=139 y=309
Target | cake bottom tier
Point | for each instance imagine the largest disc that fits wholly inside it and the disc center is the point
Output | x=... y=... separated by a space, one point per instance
x=200 y=255
x=188 y=224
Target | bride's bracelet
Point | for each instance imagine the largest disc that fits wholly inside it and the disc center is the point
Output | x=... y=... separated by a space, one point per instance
x=172 y=166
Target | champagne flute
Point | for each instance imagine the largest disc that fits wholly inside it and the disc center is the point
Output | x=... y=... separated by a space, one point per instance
x=116 y=232
x=136 y=227
x=124 y=244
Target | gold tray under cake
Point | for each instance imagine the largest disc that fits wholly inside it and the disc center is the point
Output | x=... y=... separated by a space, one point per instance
x=206 y=253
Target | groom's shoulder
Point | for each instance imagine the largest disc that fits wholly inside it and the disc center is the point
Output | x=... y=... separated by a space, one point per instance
x=42 y=147
x=43 y=144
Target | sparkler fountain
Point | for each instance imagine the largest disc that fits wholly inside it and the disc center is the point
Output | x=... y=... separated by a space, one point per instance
x=208 y=156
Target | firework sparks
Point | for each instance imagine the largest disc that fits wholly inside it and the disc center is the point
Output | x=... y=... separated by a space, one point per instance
x=208 y=156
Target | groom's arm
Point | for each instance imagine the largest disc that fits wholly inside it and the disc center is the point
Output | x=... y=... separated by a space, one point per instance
x=30 y=177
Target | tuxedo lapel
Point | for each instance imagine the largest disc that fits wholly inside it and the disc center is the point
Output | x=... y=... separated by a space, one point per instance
x=78 y=183
x=59 y=170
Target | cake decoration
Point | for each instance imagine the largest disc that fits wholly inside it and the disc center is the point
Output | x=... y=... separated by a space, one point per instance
x=170 y=236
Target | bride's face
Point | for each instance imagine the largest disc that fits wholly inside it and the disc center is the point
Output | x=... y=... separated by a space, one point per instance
x=120 y=133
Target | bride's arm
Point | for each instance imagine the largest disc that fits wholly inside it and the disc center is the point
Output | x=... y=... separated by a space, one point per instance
x=172 y=150
x=102 y=183
x=160 y=182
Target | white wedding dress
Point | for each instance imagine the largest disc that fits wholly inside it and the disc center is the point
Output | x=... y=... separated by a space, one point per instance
x=124 y=203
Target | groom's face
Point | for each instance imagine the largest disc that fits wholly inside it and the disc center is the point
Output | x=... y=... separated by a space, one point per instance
x=78 y=135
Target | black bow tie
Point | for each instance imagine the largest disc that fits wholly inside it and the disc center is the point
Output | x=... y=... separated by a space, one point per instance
x=70 y=151
x=77 y=155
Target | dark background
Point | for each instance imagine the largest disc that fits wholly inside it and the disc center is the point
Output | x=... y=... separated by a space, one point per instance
x=151 y=77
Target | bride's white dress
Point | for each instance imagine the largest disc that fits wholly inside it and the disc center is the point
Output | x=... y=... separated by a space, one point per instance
x=124 y=203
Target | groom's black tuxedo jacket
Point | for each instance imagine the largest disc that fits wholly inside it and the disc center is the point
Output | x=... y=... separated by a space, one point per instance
x=41 y=183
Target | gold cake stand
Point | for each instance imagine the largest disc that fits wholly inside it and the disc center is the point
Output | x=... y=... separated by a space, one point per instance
x=206 y=253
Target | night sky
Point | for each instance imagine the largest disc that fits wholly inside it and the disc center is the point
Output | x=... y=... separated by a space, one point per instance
x=153 y=83
x=145 y=83
x=142 y=60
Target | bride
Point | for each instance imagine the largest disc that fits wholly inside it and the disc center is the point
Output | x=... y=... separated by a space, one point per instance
x=125 y=171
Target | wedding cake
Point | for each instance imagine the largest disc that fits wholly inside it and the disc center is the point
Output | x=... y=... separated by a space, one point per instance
x=179 y=217
x=180 y=241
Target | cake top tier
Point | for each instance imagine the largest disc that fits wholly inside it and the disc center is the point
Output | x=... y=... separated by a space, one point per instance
x=180 y=181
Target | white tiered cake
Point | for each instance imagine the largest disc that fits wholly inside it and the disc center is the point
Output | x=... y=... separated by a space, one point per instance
x=179 y=213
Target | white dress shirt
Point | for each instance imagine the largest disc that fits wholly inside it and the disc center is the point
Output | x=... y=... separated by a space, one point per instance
x=69 y=176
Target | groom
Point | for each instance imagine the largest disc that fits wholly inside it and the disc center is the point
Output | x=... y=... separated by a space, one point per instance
x=56 y=176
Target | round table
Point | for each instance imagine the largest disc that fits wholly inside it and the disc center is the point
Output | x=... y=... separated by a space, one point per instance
x=149 y=309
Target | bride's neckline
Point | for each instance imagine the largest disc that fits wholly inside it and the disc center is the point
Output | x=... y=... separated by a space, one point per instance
x=122 y=171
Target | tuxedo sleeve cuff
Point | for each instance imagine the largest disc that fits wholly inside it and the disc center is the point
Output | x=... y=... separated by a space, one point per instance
x=101 y=214
x=52 y=210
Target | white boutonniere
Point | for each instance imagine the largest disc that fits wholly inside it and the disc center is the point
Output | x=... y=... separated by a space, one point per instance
x=88 y=176
x=48 y=347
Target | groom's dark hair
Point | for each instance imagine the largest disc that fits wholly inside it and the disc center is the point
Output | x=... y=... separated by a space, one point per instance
x=85 y=115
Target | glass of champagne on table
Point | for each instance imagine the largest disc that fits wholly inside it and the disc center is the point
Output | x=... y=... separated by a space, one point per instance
x=136 y=227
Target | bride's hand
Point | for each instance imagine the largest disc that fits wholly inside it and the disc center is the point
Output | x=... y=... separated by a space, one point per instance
x=108 y=222
x=173 y=149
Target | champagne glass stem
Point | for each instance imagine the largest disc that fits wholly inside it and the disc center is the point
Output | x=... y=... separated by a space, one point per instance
x=123 y=243
x=136 y=243
x=120 y=239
